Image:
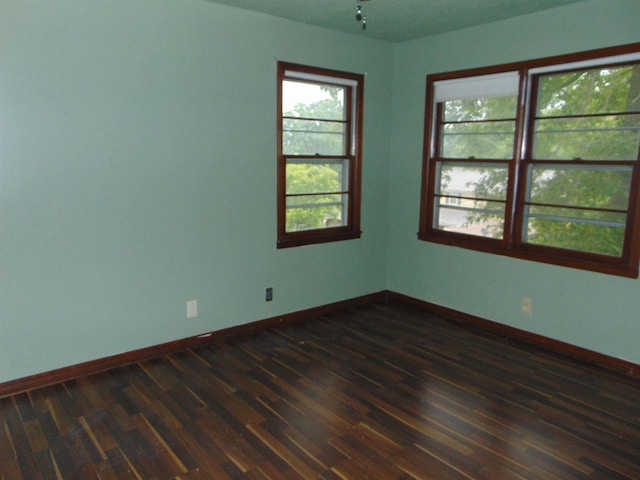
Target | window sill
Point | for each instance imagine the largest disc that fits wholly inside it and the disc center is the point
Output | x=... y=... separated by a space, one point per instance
x=307 y=238
x=536 y=254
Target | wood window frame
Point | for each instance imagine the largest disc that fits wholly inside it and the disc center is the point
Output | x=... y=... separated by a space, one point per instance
x=512 y=244
x=353 y=154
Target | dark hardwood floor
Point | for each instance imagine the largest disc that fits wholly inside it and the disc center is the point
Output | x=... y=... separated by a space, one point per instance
x=383 y=391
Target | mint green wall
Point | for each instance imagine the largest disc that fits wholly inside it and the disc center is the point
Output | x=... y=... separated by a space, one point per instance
x=137 y=171
x=594 y=311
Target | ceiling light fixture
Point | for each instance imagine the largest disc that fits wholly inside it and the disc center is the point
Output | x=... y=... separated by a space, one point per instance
x=360 y=16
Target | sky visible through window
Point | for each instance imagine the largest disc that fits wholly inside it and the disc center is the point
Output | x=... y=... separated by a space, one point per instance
x=300 y=92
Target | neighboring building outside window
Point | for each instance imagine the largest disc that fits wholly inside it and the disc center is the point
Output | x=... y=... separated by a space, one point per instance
x=319 y=154
x=538 y=160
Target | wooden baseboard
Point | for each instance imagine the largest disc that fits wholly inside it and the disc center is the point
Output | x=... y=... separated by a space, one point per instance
x=64 y=374
x=95 y=366
x=566 y=349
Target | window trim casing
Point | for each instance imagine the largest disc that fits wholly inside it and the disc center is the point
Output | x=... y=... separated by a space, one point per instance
x=355 y=114
x=512 y=245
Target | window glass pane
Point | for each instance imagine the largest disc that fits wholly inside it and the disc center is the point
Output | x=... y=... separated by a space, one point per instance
x=583 y=216
x=472 y=180
x=307 y=212
x=573 y=206
x=585 y=114
x=479 y=109
x=587 y=92
x=585 y=231
x=316 y=177
x=580 y=186
x=607 y=137
x=471 y=217
x=478 y=140
x=311 y=137
x=478 y=127
x=313 y=100
x=464 y=194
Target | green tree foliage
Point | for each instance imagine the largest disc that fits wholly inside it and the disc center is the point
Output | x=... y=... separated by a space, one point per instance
x=592 y=189
x=308 y=177
x=315 y=129
x=578 y=117
x=566 y=131
x=312 y=128
x=481 y=128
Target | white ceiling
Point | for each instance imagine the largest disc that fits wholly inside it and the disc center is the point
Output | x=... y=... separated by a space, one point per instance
x=397 y=20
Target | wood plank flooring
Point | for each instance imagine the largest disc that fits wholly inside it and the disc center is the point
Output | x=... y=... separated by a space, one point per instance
x=382 y=391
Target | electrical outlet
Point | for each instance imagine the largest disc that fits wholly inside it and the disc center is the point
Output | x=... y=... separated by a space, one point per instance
x=526 y=306
x=268 y=295
x=192 y=308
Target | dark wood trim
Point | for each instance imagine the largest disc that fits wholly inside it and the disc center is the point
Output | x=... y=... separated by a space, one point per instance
x=531 y=253
x=320 y=236
x=512 y=244
x=64 y=374
x=354 y=122
x=383 y=390
x=540 y=62
x=565 y=349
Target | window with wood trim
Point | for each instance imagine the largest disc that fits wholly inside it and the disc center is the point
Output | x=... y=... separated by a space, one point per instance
x=538 y=160
x=319 y=154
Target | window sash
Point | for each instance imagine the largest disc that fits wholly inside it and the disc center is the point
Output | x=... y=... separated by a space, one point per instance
x=577 y=130
x=329 y=199
x=471 y=127
x=479 y=213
